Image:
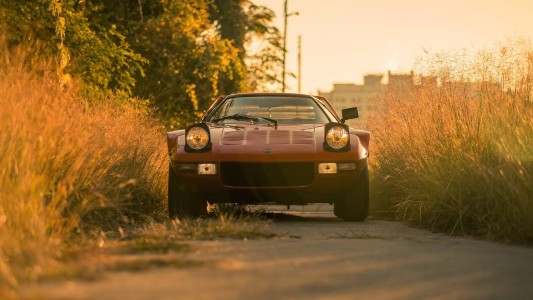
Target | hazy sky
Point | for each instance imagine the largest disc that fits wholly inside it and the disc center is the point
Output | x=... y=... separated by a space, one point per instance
x=344 y=39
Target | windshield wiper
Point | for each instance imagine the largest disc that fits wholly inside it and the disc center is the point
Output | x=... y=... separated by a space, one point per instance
x=239 y=117
x=270 y=120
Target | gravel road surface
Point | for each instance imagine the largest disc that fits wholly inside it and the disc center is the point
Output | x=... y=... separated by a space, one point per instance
x=322 y=257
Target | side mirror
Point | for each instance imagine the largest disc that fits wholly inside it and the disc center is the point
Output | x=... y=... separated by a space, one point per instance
x=349 y=113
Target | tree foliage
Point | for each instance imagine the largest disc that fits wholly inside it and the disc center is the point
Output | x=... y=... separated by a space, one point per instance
x=251 y=31
x=98 y=55
x=177 y=54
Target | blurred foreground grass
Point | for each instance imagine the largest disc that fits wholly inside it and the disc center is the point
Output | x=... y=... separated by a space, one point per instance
x=67 y=166
x=73 y=170
x=454 y=151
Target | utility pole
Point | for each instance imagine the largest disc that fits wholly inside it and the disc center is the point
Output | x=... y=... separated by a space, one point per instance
x=286 y=15
x=300 y=63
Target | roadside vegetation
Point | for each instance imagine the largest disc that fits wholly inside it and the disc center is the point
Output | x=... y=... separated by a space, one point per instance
x=80 y=179
x=454 y=151
x=68 y=167
x=87 y=90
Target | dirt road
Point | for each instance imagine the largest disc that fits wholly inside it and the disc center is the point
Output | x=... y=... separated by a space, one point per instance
x=323 y=257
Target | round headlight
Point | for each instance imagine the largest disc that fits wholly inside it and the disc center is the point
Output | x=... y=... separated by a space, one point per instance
x=197 y=138
x=337 y=137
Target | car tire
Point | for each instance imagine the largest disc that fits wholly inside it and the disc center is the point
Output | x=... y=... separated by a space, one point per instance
x=354 y=205
x=181 y=202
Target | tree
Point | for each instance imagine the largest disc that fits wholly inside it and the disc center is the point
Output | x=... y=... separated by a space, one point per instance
x=251 y=30
x=187 y=58
x=265 y=50
x=98 y=55
x=178 y=54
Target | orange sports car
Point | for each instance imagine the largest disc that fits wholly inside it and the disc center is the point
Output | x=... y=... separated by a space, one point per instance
x=269 y=148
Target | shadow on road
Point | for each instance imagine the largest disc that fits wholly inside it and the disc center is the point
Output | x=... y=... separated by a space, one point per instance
x=286 y=217
x=312 y=213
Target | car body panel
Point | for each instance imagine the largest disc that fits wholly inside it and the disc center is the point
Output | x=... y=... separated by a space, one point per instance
x=269 y=146
x=251 y=145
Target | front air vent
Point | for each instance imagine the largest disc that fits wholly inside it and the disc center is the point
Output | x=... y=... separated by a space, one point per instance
x=233 y=138
x=280 y=137
x=303 y=137
x=274 y=137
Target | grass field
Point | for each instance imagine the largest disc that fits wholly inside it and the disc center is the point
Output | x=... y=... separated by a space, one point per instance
x=79 y=176
x=67 y=166
x=454 y=152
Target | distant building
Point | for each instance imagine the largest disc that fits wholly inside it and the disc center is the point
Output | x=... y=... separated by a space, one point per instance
x=400 y=83
x=401 y=86
x=346 y=95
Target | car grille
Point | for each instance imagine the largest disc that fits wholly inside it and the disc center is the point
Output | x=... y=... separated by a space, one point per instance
x=266 y=174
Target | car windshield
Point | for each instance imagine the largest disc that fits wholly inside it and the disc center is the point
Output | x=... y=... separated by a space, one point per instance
x=285 y=110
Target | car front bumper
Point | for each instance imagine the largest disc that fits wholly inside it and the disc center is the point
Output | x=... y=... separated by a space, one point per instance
x=285 y=183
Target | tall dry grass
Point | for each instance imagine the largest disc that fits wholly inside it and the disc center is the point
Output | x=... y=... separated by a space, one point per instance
x=67 y=165
x=454 y=152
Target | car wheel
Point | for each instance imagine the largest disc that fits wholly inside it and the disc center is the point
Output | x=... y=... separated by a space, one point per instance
x=181 y=202
x=354 y=205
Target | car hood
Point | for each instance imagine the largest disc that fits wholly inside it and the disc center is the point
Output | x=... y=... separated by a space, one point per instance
x=259 y=142
x=266 y=139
